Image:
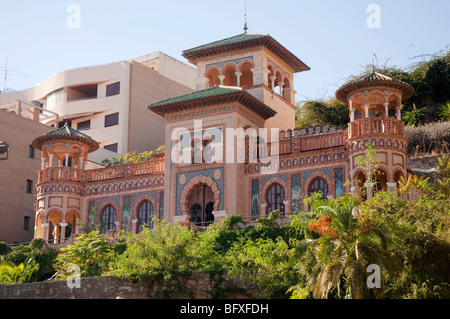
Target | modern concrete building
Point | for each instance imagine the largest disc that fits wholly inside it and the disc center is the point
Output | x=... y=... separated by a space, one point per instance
x=108 y=101
x=18 y=176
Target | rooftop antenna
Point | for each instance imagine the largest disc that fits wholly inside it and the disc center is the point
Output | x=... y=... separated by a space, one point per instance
x=245 y=16
x=6 y=74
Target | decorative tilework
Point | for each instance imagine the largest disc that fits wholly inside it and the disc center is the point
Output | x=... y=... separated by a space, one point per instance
x=265 y=179
x=296 y=192
x=326 y=171
x=205 y=172
x=115 y=199
x=339 y=182
x=237 y=61
x=255 y=197
x=153 y=195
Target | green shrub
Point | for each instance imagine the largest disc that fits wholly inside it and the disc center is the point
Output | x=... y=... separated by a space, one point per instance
x=91 y=252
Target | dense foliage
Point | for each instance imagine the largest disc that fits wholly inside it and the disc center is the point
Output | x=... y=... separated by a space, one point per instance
x=430 y=78
x=135 y=157
x=327 y=252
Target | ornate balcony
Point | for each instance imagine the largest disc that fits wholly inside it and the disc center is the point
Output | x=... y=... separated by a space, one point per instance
x=371 y=125
x=63 y=173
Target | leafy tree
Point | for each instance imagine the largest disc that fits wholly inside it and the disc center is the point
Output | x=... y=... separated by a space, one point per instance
x=37 y=252
x=444 y=111
x=11 y=273
x=349 y=241
x=332 y=112
x=91 y=252
x=165 y=251
x=267 y=263
x=414 y=117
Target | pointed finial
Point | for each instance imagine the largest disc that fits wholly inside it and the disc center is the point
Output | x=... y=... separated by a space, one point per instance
x=245 y=16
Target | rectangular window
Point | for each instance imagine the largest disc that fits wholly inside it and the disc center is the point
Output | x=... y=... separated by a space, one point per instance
x=113 y=89
x=30 y=151
x=26 y=222
x=112 y=147
x=54 y=98
x=83 y=126
x=29 y=186
x=111 y=119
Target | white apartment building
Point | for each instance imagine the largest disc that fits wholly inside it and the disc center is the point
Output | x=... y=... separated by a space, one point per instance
x=107 y=102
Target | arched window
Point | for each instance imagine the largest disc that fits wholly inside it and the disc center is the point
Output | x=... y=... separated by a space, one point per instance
x=246 y=79
x=108 y=218
x=230 y=76
x=319 y=184
x=145 y=214
x=275 y=198
x=213 y=77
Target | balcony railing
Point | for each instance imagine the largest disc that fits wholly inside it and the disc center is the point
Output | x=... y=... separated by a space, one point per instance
x=292 y=144
x=371 y=125
x=63 y=173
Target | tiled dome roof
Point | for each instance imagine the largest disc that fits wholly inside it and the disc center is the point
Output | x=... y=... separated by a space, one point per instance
x=65 y=133
x=373 y=79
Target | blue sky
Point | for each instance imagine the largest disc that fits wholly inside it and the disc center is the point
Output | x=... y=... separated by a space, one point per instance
x=331 y=36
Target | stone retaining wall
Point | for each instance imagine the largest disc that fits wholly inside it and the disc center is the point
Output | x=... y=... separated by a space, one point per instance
x=197 y=286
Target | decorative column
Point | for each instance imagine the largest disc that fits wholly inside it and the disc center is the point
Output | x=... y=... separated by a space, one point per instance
x=392 y=187
x=398 y=113
x=50 y=160
x=366 y=106
x=369 y=190
x=221 y=77
x=386 y=109
x=45 y=231
x=134 y=225
x=238 y=78
x=272 y=80
x=280 y=84
x=67 y=159
x=63 y=232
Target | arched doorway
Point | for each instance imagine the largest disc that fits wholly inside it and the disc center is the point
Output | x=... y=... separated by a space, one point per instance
x=318 y=184
x=201 y=205
x=275 y=198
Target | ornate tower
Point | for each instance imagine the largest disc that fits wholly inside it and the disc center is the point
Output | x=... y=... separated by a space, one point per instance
x=59 y=189
x=370 y=98
x=245 y=81
x=256 y=62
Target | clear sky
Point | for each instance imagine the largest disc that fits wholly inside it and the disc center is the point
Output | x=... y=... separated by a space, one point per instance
x=333 y=37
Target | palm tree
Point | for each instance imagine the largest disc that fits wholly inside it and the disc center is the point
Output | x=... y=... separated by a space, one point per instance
x=444 y=111
x=414 y=117
x=347 y=245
